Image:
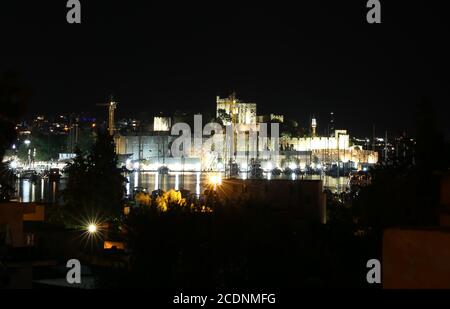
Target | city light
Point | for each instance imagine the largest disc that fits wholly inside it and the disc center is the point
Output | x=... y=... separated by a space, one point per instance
x=220 y=166
x=177 y=167
x=215 y=179
x=244 y=166
x=92 y=228
x=198 y=167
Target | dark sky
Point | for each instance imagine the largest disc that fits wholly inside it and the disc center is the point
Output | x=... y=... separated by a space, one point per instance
x=294 y=59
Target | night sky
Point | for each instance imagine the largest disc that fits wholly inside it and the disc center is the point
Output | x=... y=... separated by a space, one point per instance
x=293 y=59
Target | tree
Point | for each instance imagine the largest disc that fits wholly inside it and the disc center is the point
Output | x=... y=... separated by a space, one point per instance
x=223 y=116
x=95 y=186
x=86 y=138
x=13 y=100
x=406 y=190
x=47 y=146
x=107 y=179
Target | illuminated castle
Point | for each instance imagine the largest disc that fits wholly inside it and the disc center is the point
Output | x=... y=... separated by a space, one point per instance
x=250 y=143
x=232 y=111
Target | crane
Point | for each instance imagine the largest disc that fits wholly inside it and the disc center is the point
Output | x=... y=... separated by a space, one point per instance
x=112 y=105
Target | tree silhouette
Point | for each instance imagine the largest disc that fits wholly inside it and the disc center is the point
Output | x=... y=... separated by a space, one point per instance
x=405 y=191
x=95 y=185
x=13 y=100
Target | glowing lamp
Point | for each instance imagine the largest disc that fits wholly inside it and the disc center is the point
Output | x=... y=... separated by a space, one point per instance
x=92 y=228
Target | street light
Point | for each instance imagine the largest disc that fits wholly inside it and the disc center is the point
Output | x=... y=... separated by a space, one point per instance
x=92 y=228
x=13 y=164
x=215 y=180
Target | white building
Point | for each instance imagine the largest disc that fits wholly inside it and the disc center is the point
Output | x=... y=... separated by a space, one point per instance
x=231 y=110
x=161 y=124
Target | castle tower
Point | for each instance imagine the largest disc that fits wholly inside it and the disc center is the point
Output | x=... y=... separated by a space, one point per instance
x=331 y=125
x=111 y=111
x=313 y=126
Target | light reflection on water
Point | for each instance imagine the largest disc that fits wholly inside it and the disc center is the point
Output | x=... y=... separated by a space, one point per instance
x=46 y=191
x=127 y=186
x=42 y=186
x=26 y=191
x=177 y=182
x=33 y=191
x=197 y=184
x=197 y=181
x=40 y=191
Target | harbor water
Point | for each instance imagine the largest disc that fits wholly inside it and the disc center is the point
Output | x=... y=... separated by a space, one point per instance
x=44 y=190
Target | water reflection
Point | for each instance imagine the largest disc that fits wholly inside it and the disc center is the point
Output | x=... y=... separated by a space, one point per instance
x=127 y=186
x=46 y=191
x=26 y=191
x=136 y=180
x=197 y=184
x=33 y=191
x=53 y=191
x=42 y=190
x=177 y=183
x=42 y=187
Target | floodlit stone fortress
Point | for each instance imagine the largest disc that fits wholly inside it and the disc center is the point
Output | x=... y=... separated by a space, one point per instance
x=242 y=143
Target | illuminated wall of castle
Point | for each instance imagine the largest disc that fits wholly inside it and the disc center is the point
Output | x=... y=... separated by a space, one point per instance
x=247 y=143
x=229 y=108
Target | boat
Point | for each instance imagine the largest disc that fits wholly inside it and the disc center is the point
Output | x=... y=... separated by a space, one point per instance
x=234 y=170
x=30 y=175
x=298 y=171
x=256 y=171
x=334 y=171
x=163 y=170
x=276 y=171
x=288 y=171
x=54 y=174
x=359 y=179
